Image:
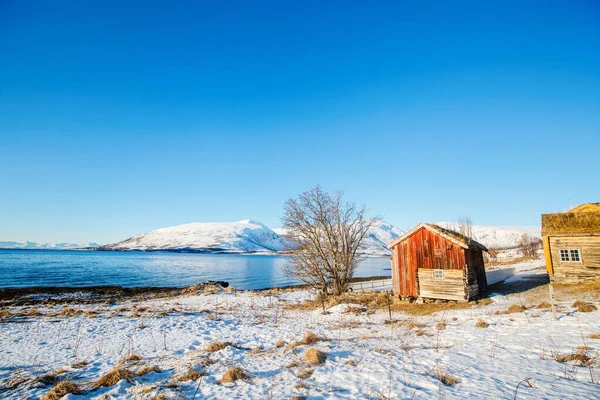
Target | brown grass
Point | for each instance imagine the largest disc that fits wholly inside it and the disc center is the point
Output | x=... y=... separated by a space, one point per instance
x=279 y=343
x=544 y=304
x=70 y=312
x=305 y=373
x=62 y=389
x=515 y=308
x=146 y=369
x=481 y=324
x=113 y=377
x=578 y=289
x=190 y=375
x=440 y=326
x=34 y=312
x=234 y=374
x=582 y=306
x=309 y=338
x=315 y=356
x=580 y=357
x=217 y=346
x=351 y=362
x=378 y=300
x=446 y=378
x=300 y=385
x=133 y=357
x=79 y=364
x=594 y=335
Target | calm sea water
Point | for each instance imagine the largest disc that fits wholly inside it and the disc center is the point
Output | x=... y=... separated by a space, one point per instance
x=26 y=268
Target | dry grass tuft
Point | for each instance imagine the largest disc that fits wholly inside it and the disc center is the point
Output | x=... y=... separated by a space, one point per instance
x=217 y=346
x=62 y=389
x=378 y=300
x=581 y=358
x=34 y=312
x=113 y=377
x=582 y=306
x=234 y=374
x=300 y=385
x=594 y=335
x=515 y=308
x=160 y=396
x=298 y=397
x=133 y=357
x=481 y=324
x=70 y=312
x=309 y=338
x=544 y=304
x=315 y=356
x=440 y=326
x=146 y=369
x=305 y=373
x=279 y=343
x=79 y=364
x=446 y=378
x=190 y=375
x=351 y=362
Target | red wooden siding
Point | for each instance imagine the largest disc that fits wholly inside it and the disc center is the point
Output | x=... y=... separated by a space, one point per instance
x=422 y=249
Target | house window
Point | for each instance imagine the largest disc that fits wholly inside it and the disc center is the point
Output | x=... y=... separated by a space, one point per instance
x=438 y=274
x=570 y=255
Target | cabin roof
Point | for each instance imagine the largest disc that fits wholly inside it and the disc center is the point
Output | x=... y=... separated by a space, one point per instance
x=586 y=207
x=581 y=220
x=448 y=234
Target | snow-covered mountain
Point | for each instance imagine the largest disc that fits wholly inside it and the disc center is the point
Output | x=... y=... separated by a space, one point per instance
x=378 y=238
x=45 y=246
x=232 y=237
x=245 y=236
x=500 y=237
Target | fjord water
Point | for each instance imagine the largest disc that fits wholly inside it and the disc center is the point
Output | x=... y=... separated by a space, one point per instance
x=27 y=268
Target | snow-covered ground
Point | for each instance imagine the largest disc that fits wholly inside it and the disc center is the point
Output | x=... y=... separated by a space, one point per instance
x=366 y=358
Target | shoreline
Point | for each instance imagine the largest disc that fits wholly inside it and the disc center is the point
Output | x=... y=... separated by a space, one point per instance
x=94 y=294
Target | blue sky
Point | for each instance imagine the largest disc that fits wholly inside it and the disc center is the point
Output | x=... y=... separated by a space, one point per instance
x=117 y=118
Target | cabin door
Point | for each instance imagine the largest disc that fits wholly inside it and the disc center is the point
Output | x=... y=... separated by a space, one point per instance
x=407 y=270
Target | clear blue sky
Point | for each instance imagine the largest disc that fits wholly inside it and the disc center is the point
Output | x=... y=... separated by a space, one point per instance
x=119 y=117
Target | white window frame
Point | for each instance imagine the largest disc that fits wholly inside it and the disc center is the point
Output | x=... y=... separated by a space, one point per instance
x=569 y=255
x=438 y=274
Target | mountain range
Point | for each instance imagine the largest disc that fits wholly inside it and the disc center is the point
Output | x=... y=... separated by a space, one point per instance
x=249 y=236
x=45 y=246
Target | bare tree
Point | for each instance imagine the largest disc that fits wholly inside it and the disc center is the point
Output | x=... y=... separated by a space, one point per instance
x=327 y=233
x=529 y=245
x=465 y=228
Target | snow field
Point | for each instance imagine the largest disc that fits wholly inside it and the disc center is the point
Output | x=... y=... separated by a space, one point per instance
x=366 y=357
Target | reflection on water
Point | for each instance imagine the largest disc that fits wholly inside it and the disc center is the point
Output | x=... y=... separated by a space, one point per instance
x=26 y=268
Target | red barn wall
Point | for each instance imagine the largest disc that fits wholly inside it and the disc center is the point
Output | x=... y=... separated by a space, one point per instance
x=422 y=249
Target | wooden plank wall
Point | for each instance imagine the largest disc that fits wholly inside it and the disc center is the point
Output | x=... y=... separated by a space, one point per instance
x=427 y=250
x=452 y=287
x=569 y=272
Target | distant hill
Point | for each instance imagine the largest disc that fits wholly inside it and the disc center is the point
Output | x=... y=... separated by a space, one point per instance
x=500 y=237
x=45 y=246
x=245 y=236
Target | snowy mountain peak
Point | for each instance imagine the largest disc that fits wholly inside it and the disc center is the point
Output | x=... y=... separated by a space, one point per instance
x=499 y=237
x=235 y=237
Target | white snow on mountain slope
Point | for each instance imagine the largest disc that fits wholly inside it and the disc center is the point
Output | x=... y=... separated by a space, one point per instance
x=379 y=237
x=501 y=237
x=233 y=237
x=44 y=246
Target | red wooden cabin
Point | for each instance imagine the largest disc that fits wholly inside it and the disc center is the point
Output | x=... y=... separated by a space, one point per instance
x=433 y=262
